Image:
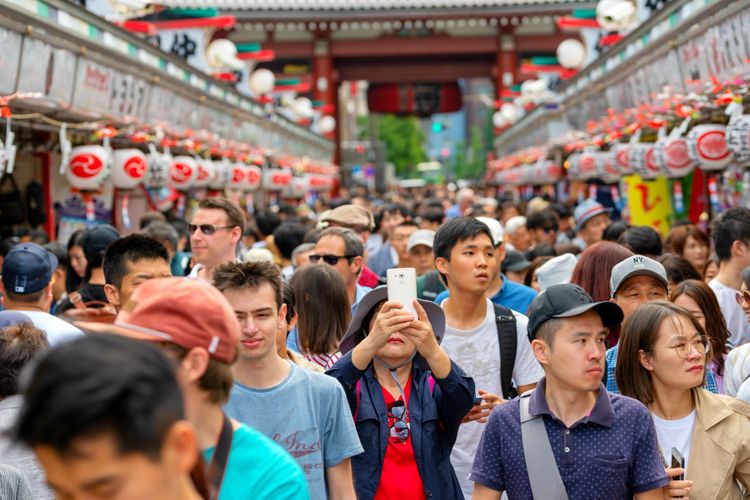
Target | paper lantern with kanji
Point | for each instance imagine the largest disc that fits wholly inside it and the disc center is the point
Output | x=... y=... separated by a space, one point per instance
x=220 y=176
x=319 y=183
x=129 y=167
x=182 y=172
x=641 y=158
x=276 y=179
x=157 y=173
x=88 y=167
x=253 y=177
x=606 y=169
x=738 y=138
x=205 y=173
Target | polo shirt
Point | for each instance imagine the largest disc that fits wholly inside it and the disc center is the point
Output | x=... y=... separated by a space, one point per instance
x=511 y=295
x=612 y=453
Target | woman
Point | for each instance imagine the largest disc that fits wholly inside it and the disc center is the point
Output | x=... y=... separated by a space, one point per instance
x=400 y=384
x=323 y=310
x=738 y=359
x=531 y=279
x=691 y=243
x=700 y=301
x=678 y=269
x=661 y=363
x=76 y=260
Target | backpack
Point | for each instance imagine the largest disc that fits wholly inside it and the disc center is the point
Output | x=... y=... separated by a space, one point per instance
x=505 y=322
x=431 y=285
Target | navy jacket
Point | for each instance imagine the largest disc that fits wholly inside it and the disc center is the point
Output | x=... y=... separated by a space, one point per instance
x=434 y=421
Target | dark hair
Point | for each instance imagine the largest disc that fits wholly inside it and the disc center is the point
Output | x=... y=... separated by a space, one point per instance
x=323 y=308
x=352 y=243
x=535 y=264
x=561 y=210
x=288 y=297
x=543 y=219
x=288 y=236
x=59 y=251
x=150 y=217
x=716 y=325
x=26 y=298
x=677 y=238
x=130 y=249
x=678 y=268
x=594 y=267
x=101 y=383
x=615 y=230
x=235 y=217
x=408 y=223
x=19 y=344
x=217 y=380
x=72 y=280
x=733 y=225
x=433 y=214
x=39 y=236
x=542 y=251
x=454 y=232
x=241 y=275
x=267 y=222
x=162 y=232
x=643 y=240
x=639 y=333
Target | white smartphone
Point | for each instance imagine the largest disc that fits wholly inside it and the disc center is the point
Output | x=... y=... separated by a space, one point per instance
x=402 y=287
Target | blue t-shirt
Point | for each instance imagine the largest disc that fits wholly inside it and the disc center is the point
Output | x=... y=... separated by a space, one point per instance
x=259 y=468
x=511 y=295
x=308 y=415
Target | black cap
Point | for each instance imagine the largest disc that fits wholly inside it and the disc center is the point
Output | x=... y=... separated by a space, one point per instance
x=95 y=242
x=566 y=301
x=515 y=262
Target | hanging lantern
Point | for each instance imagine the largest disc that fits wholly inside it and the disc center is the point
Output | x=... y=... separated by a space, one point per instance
x=587 y=165
x=296 y=189
x=616 y=15
x=619 y=155
x=707 y=146
x=220 y=176
x=574 y=164
x=254 y=177
x=327 y=124
x=129 y=168
x=276 y=179
x=498 y=120
x=157 y=172
x=222 y=54
x=182 y=172
x=738 y=138
x=303 y=108
x=262 y=81
x=88 y=167
x=671 y=153
x=641 y=159
x=606 y=170
x=571 y=53
x=238 y=176
x=205 y=173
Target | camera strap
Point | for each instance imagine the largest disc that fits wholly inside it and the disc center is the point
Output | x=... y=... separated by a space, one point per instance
x=221 y=456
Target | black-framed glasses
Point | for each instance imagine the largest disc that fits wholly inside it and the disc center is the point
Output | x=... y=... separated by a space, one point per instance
x=329 y=259
x=399 y=429
x=742 y=297
x=683 y=348
x=207 y=229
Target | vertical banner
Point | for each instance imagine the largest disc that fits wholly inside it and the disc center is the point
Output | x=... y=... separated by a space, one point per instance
x=649 y=202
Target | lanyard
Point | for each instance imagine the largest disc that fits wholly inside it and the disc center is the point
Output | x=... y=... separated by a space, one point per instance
x=219 y=460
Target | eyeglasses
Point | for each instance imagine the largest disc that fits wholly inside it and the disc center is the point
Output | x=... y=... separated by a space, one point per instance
x=399 y=429
x=329 y=259
x=684 y=348
x=207 y=229
x=742 y=297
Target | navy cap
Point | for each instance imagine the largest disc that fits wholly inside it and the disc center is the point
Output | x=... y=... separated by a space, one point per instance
x=28 y=268
x=95 y=242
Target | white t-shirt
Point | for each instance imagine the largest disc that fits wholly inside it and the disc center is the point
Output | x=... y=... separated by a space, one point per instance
x=675 y=434
x=476 y=351
x=733 y=314
x=57 y=330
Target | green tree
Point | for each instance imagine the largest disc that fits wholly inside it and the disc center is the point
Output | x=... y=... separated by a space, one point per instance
x=404 y=140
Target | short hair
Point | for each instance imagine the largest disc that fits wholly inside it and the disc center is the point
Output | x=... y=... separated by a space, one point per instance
x=733 y=225
x=433 y=214
x=288 y=236
x=514 y=223
x=639 y=333
x=59 y=251
x=542 y=219
x=217 y=380
x=547 y=330
x=455 y=231
x=543 y=251
x=615 y=230
x=267 y=222
x=408 y=223
x=642 y=240
x=27 y=298
x=130 y=249
x=352 y=243
x=304 y=247
x=288 y=298
x=678 y=268
x=235 y=217
x=150 y=217
x=161 y=232
x=239 y=276
x=677 y=238
x=101 y=383
x=19 y=344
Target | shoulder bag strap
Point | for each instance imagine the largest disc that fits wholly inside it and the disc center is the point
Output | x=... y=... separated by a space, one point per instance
x=544 y=476
x=505 y=323
x=219 y=461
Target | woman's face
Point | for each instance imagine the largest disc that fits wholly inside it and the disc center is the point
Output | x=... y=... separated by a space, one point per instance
x=711 y=271
x=77 y=260
x=742 y=297
x=692 y=306
x=675 y=360
x=398 y=348
x=695 y=252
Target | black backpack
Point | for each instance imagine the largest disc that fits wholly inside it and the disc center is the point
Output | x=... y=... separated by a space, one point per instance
x=507 y=338
x=431 y=285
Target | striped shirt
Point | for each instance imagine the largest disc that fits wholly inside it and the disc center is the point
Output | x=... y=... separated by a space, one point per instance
x=324 y=360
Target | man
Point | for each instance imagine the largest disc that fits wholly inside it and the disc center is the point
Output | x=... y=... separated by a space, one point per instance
x=27 y=286
x=306 y=412
x=286 y=237
x=301 y=255
x=342 y=249
x=215 y=231
x=197 y=329
x=394 y=253
x=419 y=246
x=731 y=235
x=129 y=262
x=464 y=201
x=167 y=235
x=362 y=223
x=604 y=445
x=515 y=266
x=96 y=435
x=500 y=289
x=517 y=234
x=465 y=256
x=565 y=233
x=591 y=220
x=542 y=225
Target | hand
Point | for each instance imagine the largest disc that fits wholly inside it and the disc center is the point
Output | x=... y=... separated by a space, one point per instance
x=677 y=489
x=480 y=413
x=421 y=334
x=390 y=319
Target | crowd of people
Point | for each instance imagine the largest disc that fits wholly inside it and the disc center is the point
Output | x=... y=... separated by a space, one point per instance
x=551 y=353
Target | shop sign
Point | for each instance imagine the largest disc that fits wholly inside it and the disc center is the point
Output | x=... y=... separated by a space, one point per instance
x=47 y=71
x=649 y=202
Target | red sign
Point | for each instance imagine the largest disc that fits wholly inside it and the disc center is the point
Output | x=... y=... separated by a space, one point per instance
x=86 y=165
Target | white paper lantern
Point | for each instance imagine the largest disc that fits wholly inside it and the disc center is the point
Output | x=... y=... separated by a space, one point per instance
x=205 y=173
x=606 y=169
x=129 y=168
x=296 y=189
x=319 y=183
x=616 y=15
x=571 y=53
x=303 y=107
x=276 y=179
x=238 y=176
x=707 y=146
x=510 y=112
x=327 y=124
x=498 y=120
x=157 y=174
x=182 y=172
x=738 y=138
x=587 y=165
x=262 y=81
x=220 y=176
x=671 y=154
x=619 y=156
x=642 y=160
x=253 y=177
x=222 y=54
x=88 y=167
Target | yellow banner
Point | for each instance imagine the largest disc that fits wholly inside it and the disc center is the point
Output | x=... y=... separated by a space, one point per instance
x=649 y=202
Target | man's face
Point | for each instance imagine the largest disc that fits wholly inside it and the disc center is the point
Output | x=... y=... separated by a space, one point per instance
x=389 y=221
x=544 y=236
x=576 y=357
x=334 y=246
x=422 y=259
x=259 y=317
x=471 y=266
x=636 y=291
x=213 y=249
x=400 y=239
x=522 y=239
x=138 y=273
x=58 y=283
x=593 y=230
x=94 y=468
x=303 y=258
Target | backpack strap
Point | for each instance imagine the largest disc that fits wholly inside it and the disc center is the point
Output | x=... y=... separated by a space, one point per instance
x=505 y=323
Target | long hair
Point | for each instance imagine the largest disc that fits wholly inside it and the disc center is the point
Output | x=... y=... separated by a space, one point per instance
x=716 y=325
x=72 y=280
x=323 y=308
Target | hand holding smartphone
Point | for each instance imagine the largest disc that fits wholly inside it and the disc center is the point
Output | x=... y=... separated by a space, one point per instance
x=402 y=287
x=678 y=462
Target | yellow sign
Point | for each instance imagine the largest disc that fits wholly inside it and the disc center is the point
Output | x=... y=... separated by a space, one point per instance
x=649 y=202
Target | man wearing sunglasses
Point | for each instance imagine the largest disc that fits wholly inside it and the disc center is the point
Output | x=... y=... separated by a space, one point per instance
x=342 y=249
x=215 y=231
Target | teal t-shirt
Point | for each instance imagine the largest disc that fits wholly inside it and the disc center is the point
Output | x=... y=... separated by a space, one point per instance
x=259 y=469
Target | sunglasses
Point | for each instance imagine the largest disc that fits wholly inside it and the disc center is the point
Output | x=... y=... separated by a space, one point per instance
x=399 y=430
x=207 y=229
x=329 y=259
x=742 y=297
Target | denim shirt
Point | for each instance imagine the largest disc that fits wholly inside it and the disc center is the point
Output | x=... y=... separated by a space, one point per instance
x=434 y=421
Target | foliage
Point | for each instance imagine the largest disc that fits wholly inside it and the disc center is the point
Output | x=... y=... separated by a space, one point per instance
x=405 y=143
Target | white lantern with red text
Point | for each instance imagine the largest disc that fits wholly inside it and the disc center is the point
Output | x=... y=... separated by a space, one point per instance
x=205 y=173
x=129 y=168
x=276 y=179
x=182 y=172
x=642 y=160
x=671 y=152
x=587 y=166
x=707 y=146
x=88 y=167
x=296 y=189
x=320 y=183
x=619 y=155
x=253 y=178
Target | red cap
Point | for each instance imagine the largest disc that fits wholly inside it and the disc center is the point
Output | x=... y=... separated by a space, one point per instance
x=188 y=313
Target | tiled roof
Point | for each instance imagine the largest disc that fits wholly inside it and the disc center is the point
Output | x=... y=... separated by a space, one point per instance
x=281 y=5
